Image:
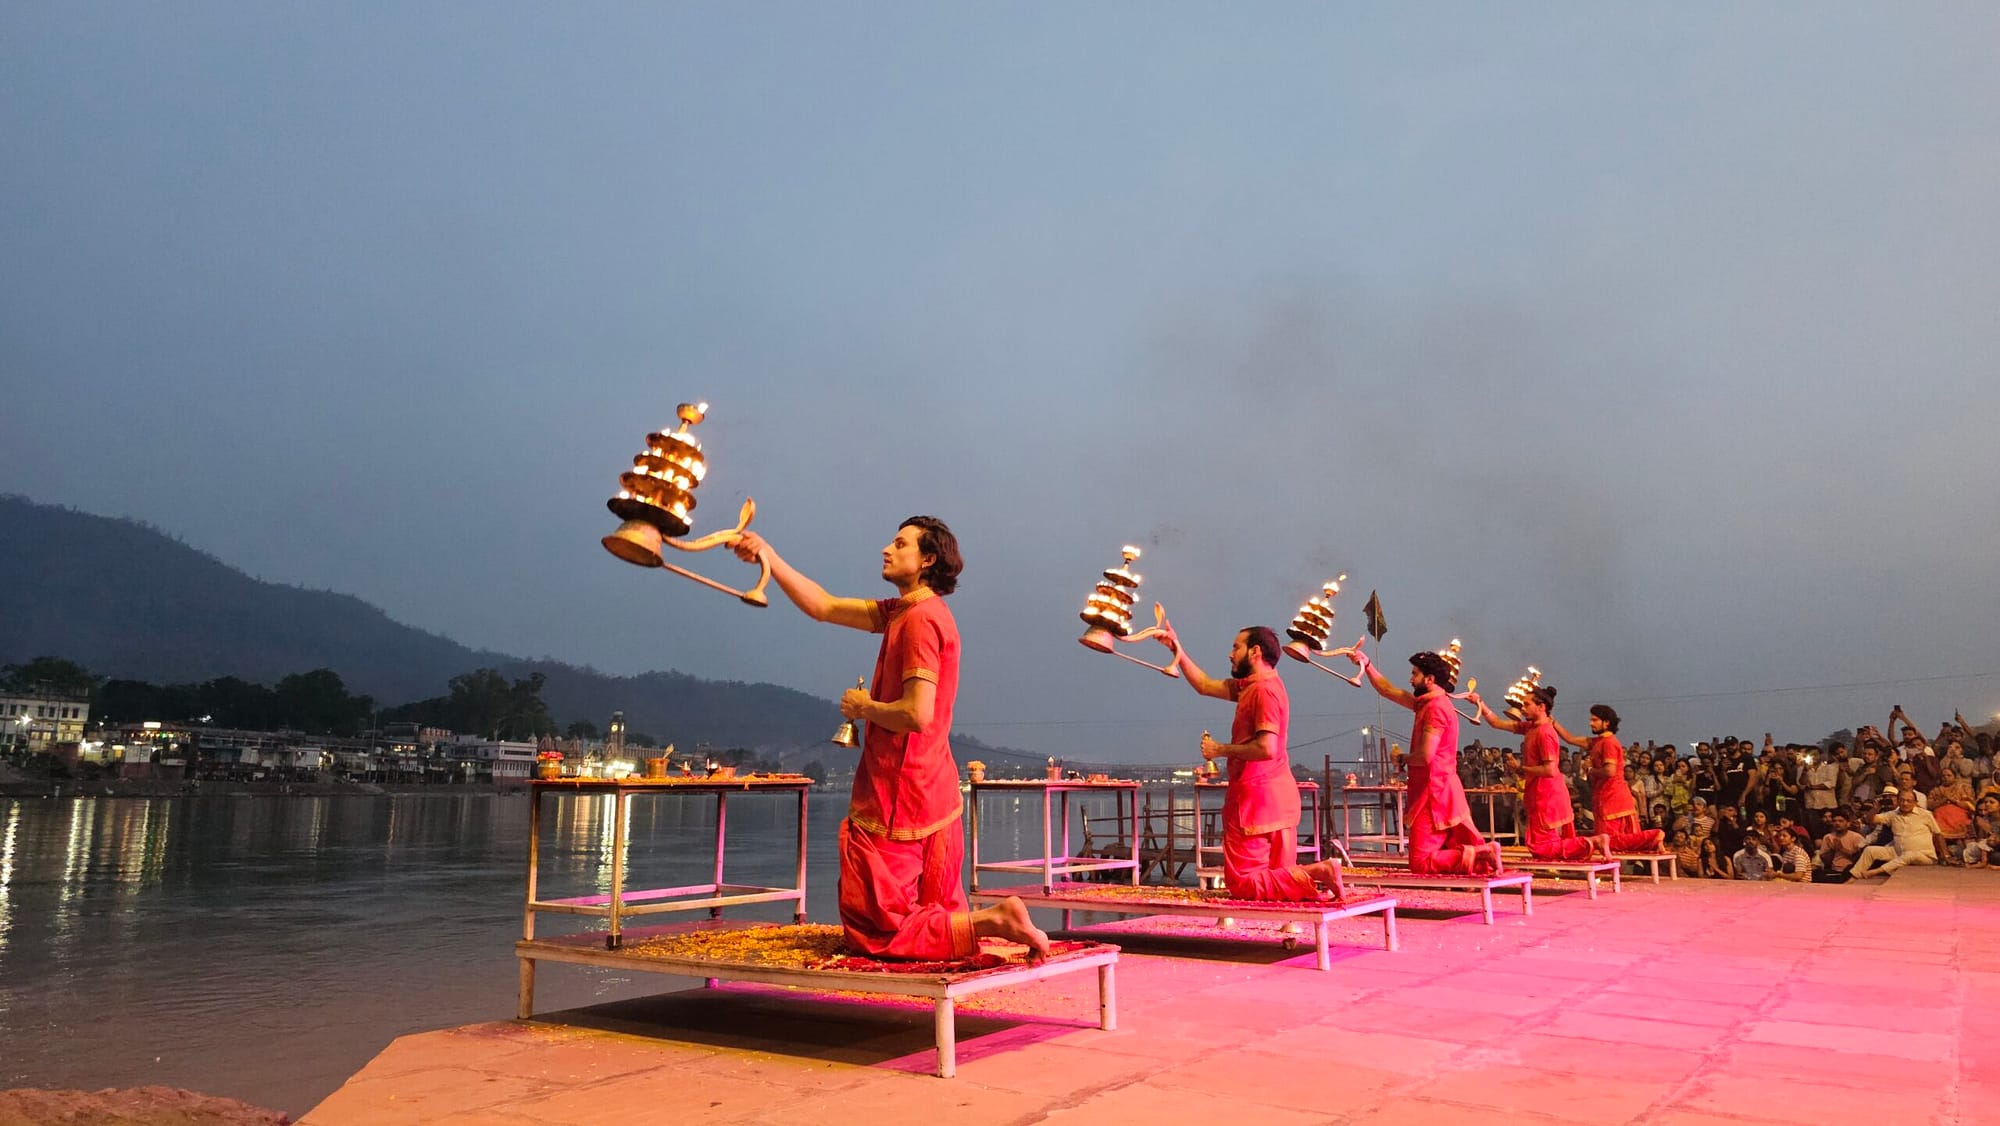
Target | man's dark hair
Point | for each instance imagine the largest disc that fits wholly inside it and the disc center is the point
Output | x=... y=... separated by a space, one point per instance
x=1264 y=639
x=1608 y=714
x=1437 y=668
x=1545 y=695
x=935 y=538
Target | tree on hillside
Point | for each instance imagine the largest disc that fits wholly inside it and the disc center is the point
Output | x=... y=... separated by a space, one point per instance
x=48 y=674
x=318 y=702
x=582 y=729
x=485 y=703
x=229 y=702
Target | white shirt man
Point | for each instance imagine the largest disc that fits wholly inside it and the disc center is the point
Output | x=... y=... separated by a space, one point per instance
x=1821 y=781
x=1915 y=833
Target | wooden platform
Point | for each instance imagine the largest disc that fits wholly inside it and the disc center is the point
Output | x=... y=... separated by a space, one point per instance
x=1113 y=900
x=1652 y=861
x=1384 y=877
x=1590 y=871
x=797 y=955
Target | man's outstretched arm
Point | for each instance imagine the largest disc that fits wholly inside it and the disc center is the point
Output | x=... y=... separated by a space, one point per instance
x=807 y=595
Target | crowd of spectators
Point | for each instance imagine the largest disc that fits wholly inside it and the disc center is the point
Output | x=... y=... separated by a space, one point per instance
x=1853 y=806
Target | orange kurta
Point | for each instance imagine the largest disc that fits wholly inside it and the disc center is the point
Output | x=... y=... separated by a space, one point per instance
x=1440 y=820
x=901 y=854
x=1260 y=811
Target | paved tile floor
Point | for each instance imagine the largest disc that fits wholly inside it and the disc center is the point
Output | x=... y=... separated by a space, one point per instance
x=1688 y=1003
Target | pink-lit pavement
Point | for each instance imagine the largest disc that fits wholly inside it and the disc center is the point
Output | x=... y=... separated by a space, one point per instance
x=1689 y=1003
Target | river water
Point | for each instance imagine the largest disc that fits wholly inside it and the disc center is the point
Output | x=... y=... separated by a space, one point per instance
x=265 y=948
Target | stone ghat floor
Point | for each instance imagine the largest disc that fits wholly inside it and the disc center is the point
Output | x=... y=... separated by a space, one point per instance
x=1688 y=1003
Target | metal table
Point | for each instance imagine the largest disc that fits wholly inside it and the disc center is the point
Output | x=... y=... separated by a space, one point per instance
x=1308 y=847
x=620 y=903
x=1052 y=863
x=1493 y=794
x=1388 y=803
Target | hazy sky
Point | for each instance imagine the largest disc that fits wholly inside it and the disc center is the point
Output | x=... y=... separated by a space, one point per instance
x=1652 y=345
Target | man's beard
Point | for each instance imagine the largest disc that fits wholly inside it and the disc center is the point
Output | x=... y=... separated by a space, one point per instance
x=1240 y=669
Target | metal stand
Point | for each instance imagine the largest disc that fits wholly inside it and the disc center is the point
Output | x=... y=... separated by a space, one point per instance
x=619 y=903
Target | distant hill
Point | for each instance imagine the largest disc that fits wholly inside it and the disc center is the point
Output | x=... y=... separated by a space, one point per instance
x=127 y=600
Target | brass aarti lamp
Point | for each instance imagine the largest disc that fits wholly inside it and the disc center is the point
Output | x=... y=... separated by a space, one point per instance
x=1311 y=628
x=1452 y=655
x=656 y=504
x=1520 y=690
x=1107 y=610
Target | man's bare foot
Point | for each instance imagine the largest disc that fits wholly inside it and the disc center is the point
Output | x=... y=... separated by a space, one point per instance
x=1491 y=850
x=1603 y=843
x=1326 y=873
x=1009 y=919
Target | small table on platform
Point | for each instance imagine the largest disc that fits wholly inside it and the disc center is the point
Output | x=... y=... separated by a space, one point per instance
x=1388 y=802
x=1308 y=846
x=619 y=903
x=1055 y=794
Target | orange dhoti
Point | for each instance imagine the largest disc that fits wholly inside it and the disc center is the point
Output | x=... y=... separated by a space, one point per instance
x=1627 y=836
x=905 y=899
x=1260 y=866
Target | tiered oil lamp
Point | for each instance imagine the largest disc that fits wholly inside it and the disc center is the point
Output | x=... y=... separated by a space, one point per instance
x=1108 y=612
x=1312 y=626
x=1452 y=655
x=656 y=504
x=1518 y=692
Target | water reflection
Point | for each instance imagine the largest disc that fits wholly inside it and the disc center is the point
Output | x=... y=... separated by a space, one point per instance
x=7 y=836
x=184 y=929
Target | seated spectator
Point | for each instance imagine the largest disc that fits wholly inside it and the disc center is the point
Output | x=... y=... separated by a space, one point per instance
x=1701 y=823
x=1982 y=848
x=1687 y=853
x=1728 y=832
x=1838 y=850
x=1794 y=862
x=1752 y=862
x=1952 y=804
x=1914 y=839
x=1714 y=864
x=1659 y=819
x=1906 y=783
x=1680 y=787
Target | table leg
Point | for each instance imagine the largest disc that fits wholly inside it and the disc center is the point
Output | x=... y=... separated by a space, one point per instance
x=1135 y=836
x=1048 y=845
x=799 y=916
x=1528 y=898
x=972 y=799
x=1319 y=943
x=1065 y=824
x=534 y=859
x=721 y=836
x=1617 y=881
x=1107 y=996
x=947 y=1037
x=1486 y=904
x=526 y=1006
x=1590 y=885
x=616 y=935
x=1389 y=930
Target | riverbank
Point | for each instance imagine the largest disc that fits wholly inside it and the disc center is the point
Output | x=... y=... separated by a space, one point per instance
x=50 y=790
x=1688 y=1003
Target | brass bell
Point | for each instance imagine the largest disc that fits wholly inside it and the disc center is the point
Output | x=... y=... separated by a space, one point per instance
x=847 y=735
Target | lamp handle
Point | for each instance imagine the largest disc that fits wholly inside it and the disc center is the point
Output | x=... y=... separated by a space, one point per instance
x=1172 y=668
x=755 y=595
